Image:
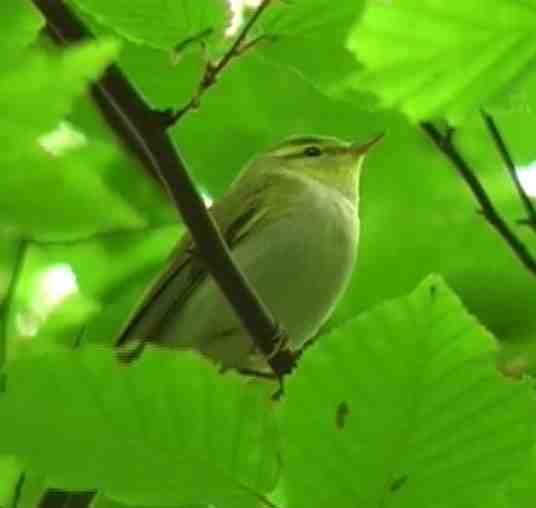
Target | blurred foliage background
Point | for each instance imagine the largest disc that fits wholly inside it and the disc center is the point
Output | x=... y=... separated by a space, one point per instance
x=83 y=230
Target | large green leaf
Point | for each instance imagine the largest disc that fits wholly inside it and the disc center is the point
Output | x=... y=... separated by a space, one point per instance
x=159 y=23
x=521 y=491
x=168 y=429
x=403 y=406
x=432 y=59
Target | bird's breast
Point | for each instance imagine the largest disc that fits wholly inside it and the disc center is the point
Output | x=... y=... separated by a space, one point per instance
x=300 y=265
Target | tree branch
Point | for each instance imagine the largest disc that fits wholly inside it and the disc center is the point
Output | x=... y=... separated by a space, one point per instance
x=446 y=145
x=510 y=166
x=212 y=71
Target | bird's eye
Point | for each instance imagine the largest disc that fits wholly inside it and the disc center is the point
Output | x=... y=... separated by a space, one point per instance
x=312 y=151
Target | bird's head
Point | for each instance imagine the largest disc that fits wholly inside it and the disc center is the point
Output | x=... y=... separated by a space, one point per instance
x=327 y=160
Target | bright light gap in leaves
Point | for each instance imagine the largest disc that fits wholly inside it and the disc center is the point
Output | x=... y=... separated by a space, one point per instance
x=237 y=14
x=62 y=139
x=527 y=178
x=53 y=287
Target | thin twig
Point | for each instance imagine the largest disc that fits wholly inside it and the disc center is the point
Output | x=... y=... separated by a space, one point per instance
x=446 y=145
x=212 y=70
x=247 y=46
x=508 y=161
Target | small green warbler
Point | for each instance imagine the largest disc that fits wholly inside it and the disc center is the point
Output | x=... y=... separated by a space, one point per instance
x=291 y=220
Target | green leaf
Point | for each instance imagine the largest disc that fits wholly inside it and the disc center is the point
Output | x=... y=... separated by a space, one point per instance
x=165 y=82
x=35 y=197
x=167 y=429
x=447 y=59
x=521 y=491
x=403 y=406
x=159 y=23
x=310 y=36
x=40 y=90
x=20 y=23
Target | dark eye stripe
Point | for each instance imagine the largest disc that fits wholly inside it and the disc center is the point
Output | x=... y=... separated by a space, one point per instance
x=298 y=151
x=296 y=145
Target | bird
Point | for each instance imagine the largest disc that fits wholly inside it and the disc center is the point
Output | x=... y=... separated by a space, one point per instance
x=291 y=220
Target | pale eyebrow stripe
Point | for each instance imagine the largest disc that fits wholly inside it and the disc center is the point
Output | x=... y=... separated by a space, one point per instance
x=306 y=141
x=303 y=141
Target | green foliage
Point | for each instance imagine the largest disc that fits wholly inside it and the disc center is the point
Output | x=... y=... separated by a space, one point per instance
x=310 y=36
x=20 y=24
x=76 y=292
x=160 y=24
x=57 y=182
x=400 y=405
x=10 y=472
x=60 y=78
x=82 y=398
x=414 y=414
x=461 y=55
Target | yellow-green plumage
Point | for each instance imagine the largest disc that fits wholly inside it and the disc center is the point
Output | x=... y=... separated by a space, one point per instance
x=291 y=220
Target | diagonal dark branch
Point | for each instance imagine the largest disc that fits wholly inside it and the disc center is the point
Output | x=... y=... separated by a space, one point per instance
x=508 y=161
x=212 y=70
x=446 y=146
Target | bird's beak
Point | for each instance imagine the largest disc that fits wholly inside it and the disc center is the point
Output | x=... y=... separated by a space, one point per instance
x=358 y=149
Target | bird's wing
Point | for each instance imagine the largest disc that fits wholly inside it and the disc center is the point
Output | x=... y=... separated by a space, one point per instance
x=237 y=215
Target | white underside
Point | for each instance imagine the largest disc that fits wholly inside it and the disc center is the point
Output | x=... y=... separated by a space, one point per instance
x=299 y=267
